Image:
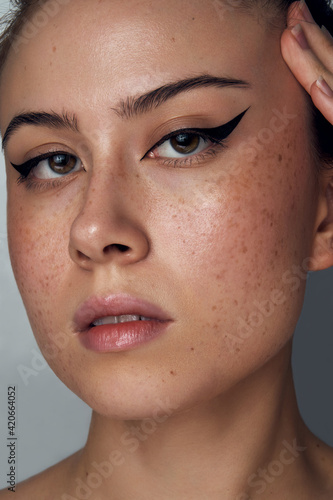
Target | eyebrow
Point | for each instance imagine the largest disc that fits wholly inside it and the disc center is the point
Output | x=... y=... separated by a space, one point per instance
x=132 y=106
x=126 y=108
x=50 y=120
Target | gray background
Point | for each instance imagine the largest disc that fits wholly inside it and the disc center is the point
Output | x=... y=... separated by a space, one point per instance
x=53 y=422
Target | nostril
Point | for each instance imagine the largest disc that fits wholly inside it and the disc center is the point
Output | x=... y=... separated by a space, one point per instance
x=116 y=246
x=81 y=255
x=122 y=248
x=83 y=259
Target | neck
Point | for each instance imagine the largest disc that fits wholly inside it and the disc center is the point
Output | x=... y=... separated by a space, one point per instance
x=220 y=449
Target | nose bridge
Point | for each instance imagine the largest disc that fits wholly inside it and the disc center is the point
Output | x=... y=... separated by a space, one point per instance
x=109 y=205
x=107 y=227
x=106 y=192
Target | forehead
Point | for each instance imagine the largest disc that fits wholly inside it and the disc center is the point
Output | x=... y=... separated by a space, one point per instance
x=106 y=50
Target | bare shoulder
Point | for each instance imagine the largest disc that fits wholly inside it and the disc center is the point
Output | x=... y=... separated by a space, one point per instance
x=48 y=484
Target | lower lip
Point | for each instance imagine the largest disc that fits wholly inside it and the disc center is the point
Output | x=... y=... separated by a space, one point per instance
x=121 y=336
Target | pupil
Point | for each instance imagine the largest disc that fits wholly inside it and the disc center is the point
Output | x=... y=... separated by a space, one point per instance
x=185 y=143
x=60 y=159
x=62 y=164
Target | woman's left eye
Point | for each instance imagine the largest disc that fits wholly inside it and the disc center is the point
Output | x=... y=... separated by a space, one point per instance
x=191 y=142
x=180 y=145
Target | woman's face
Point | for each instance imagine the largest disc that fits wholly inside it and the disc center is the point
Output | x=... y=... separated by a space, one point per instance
x=215 y=238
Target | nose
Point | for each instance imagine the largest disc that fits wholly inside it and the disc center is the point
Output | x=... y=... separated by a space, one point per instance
x=107 y=229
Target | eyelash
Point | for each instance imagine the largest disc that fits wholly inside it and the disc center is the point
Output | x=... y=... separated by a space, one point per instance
x=26 y=169
x=218 y=143
x=37 y=185
x=218 y=136
x=31 y=183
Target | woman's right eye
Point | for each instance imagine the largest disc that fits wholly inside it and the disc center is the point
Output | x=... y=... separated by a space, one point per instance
x=49 y=166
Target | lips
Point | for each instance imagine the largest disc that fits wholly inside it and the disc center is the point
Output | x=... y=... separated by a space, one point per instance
x=118 y=322
x=96 y=308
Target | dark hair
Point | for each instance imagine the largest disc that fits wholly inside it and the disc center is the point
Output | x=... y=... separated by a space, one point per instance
x=22 y=10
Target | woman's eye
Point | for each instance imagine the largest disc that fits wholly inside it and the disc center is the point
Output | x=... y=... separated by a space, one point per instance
x=56 y=165
x=180 y=145
x=191 y=142
x=49 y=166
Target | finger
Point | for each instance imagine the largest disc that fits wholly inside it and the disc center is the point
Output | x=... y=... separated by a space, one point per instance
x=319 y=40
x=308 y=50
x=327 y=34
x=322 y=96
x=302 y=61
x=297 y=13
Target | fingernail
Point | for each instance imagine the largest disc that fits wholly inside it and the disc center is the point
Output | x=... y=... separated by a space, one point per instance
x=298 y=33
x=306 y=12
x=326 y=32
x=324 y=87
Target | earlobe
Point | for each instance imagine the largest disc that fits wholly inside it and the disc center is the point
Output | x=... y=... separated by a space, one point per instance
x=322 y=250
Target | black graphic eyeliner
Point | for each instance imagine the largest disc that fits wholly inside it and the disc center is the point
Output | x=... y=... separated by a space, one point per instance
x=25 y=168
x=216 y=135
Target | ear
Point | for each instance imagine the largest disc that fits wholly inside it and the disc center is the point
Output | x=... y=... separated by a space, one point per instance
x=322 y=250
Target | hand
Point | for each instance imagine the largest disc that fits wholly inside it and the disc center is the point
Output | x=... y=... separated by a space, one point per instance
x=308 y=51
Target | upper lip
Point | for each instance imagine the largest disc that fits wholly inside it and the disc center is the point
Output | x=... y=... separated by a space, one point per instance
x=115 y=305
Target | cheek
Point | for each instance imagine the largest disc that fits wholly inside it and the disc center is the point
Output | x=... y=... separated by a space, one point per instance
x=241 y=248
x=38 y=250
x=260 y=219
x=38 y=245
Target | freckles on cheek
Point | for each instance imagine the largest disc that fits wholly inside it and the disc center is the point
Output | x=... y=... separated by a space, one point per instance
x=39 y=254
x=38 y=234
x=258 y=231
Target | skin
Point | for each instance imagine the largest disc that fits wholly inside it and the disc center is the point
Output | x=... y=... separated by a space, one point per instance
x=207 y=243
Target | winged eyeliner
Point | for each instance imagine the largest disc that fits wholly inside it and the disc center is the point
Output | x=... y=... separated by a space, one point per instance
x=216 y=134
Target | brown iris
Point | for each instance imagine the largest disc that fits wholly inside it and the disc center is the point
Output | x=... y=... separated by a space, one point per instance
x=62 y=164
x=185 y=143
